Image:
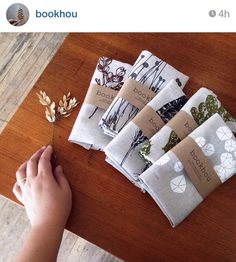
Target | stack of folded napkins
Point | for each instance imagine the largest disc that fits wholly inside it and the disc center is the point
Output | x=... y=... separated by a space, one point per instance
x=201 y=106
x=147 y=77
x=122 y=151
x=177 y=149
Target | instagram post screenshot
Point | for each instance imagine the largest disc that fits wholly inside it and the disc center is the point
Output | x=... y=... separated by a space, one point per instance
x=117 y=131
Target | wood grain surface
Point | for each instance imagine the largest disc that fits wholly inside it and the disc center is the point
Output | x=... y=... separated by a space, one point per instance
x=107 y=209
x=23 y=57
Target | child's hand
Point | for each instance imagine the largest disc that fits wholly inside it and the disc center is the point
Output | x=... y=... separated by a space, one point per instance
x=46 y=196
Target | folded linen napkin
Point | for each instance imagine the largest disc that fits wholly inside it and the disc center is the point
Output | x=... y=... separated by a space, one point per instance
x=202 y=105
x=109 y=74
x=173 y=188
x=151 y=74
x=122 y=151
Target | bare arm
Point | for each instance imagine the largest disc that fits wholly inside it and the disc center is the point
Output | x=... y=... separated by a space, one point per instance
x=47 y=200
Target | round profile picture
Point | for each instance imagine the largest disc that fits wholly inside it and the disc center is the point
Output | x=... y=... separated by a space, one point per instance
x=17 y=14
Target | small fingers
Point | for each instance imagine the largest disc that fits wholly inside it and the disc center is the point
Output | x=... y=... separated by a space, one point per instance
x=32 y=164
x=60 y=177
x=44 y=166
x=17 y=192
x=21 y=174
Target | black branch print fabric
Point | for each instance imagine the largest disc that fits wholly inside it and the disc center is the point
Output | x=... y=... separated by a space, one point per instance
x=111 y=74
x=172 y=108
x=123 y=150
x=107 y=78
x=150 y=71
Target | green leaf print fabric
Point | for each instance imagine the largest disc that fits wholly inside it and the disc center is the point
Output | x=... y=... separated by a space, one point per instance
x=201 y=106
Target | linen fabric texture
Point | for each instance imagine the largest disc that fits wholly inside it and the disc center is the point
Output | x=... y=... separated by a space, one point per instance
x=201 y=106
x=122 y=151
x=86 y=132
x=169 y=184
x=154 y=74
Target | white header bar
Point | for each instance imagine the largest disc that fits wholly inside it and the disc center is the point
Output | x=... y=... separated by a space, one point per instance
x=120 y=16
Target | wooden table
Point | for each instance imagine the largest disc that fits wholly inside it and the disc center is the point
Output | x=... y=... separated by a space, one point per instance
x=107 y=209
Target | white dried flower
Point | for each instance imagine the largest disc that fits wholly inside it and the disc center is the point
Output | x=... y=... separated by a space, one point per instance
x=66 y=105
x=43 y=98
x=64 y=109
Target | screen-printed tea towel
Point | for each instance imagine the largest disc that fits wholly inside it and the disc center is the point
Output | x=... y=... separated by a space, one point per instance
x=149 y=71
x=172 y=187
x=111 y=74
x=202 y=105
x=123 y=149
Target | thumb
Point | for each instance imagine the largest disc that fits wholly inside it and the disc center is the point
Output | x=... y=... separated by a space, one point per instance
x=60 y=177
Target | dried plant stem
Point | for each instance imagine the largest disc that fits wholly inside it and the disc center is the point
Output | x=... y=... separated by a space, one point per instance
x=53 y=134
x=53 y=113
x=54 y=157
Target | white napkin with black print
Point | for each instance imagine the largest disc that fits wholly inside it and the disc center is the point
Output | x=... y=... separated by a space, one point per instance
x=122 y=151
x=168 y=182
x=150 y=71
x=86 y=132
x=202 y=105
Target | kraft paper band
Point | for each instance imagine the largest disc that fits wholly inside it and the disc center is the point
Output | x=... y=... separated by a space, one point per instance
x=136 y=94
x=183 y=124
x=197 y=166
x=100 y=96
x=148 y=121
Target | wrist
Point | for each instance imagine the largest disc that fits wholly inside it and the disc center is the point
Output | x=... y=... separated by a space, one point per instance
x=47 y=227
